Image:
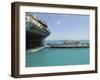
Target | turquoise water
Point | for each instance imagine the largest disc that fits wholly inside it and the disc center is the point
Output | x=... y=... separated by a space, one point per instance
x=58 y=57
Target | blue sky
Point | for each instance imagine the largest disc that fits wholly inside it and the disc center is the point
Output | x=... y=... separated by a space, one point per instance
x=66 y=26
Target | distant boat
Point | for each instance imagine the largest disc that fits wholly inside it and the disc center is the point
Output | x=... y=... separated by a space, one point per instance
x=70 y=44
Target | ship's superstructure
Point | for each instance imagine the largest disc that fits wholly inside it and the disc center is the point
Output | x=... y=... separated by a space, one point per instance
x=36 y=31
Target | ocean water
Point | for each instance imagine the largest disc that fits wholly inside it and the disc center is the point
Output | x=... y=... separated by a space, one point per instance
x=58 y=57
